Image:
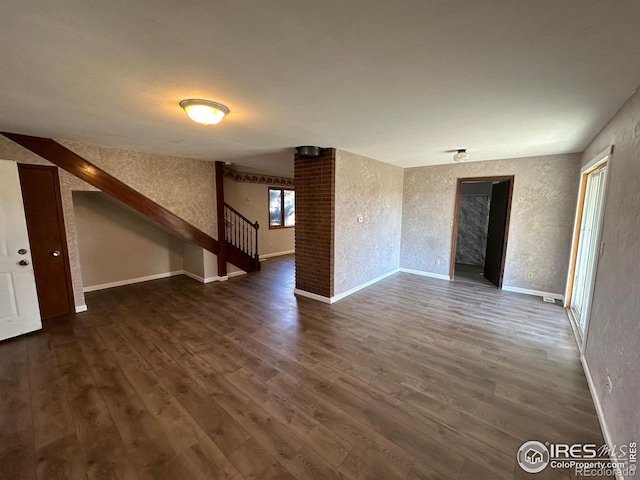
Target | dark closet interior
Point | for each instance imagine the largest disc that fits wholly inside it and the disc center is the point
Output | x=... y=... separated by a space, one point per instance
x=482 y=227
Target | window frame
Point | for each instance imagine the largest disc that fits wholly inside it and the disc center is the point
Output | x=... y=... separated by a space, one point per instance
x=282 y=190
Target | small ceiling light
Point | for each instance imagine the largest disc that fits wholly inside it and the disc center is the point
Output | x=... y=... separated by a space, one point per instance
x=205 y=112
x=461 y=155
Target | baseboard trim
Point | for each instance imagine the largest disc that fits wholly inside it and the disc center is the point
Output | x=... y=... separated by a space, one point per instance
x=201 y=279
x=131 y=281
x=81 y=308
x=313 y=296
x=599 y=411
x=340 y=296
x=425 y=274
x=276 y=254
x=536 y=293
x=574 y=327
x=236 y=274
x=357 y=288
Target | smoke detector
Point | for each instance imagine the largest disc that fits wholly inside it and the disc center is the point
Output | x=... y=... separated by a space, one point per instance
x=461 y=155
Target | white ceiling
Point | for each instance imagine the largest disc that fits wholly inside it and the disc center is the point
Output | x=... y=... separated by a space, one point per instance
x=398 y=81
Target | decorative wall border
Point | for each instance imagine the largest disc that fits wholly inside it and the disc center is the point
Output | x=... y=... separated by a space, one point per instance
x=257 y=178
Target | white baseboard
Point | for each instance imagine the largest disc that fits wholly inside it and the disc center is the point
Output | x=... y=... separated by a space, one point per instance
x=313 y=296
x=340 y=296
x=537 y=293
x=236 y=274
x=596 y=401
x=130 y=281
x=574 y=327
x=276 y=254
x=201 y=279
x=425 y=274
x=158 y=276
x=81 y=308
x=353 y=290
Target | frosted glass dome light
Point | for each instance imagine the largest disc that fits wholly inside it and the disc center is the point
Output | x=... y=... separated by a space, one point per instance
x=205 y=112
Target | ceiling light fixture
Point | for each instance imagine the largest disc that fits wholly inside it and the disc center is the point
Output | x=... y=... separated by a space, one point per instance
x=205 y=112
x=461 y=155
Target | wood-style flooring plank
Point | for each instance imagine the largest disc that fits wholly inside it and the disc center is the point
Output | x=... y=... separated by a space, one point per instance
x=221 y=427
x=205 y=461
x=17 y=445
x=358 y=434
x=255 y=463
x=308 y=465
x=331 y=446
x=412 y=378
x=143 y=438
x=61 y=459
x=51 y=414
x=103 y=451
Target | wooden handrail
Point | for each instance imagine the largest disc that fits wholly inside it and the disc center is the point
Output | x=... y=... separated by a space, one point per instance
x=241 y=238
x=255 y=224
x=76 y=165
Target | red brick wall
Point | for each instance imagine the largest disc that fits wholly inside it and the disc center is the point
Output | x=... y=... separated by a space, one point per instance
x=315 y=194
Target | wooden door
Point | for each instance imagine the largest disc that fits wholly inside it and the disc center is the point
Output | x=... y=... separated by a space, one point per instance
x=18 y=299
x=45 y=222
x=497 y=232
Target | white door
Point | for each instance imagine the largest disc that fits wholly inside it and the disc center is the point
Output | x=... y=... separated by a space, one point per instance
x=587 y=256
x=19 y=311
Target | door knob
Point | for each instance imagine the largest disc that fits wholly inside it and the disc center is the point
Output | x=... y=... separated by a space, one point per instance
x=55 y=253
x=22 y=251
x=24 y=263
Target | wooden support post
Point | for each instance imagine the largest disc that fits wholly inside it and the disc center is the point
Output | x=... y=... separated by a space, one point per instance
x=222 y=243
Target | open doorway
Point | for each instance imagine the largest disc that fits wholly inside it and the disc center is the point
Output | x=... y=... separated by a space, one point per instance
x=480 y=230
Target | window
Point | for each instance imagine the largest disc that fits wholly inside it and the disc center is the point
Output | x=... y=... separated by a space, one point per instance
x=282 y=208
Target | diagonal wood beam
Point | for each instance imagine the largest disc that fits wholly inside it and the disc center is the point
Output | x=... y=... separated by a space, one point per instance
x=76 y=165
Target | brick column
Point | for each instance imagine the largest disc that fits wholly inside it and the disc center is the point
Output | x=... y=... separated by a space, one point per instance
x=315 y=211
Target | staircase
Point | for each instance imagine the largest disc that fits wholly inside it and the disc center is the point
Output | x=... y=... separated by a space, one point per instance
x=241 y=235
x=241 y=240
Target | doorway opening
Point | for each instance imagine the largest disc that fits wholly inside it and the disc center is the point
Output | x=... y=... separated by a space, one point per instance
x=586 y=244
x=480 y=230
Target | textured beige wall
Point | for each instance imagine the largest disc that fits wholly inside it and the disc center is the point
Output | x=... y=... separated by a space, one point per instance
x=193 y=259
x=183 y=185
x=364 y=251
x=613 y=339
x=252 y=201
x=542 y=214
x=116 y=244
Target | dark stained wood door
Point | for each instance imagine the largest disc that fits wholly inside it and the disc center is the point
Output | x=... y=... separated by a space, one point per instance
x=45 y=223
x=497 y=232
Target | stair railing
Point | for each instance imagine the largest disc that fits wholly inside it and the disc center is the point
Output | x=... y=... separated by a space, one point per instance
x=240 y=232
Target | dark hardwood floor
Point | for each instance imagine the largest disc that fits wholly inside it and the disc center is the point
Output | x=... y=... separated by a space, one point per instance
x=411 y=378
